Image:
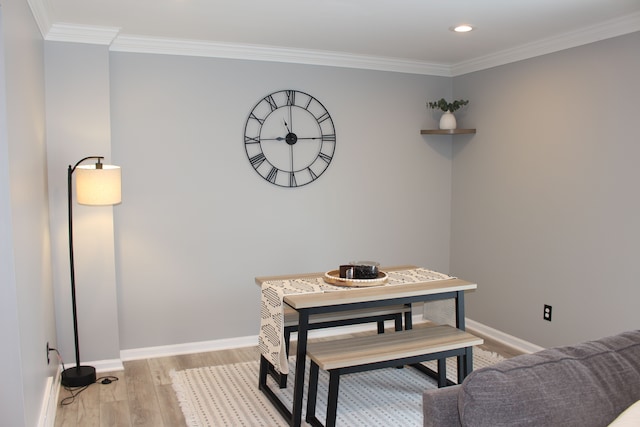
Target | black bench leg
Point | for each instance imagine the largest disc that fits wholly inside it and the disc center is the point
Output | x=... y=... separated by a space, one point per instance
x=264 y=387
x=442 y=372
x=465 y=364
x=281 y=379
x=262 y=376
x=398 y=326
x=408 y=321
x=332 y=400
x=267 y=368
x=312 y=393
x=287 y=339
x=398 y=322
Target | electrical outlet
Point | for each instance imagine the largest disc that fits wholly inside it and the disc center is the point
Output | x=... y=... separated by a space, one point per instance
x=547 y=313
x=48 y=349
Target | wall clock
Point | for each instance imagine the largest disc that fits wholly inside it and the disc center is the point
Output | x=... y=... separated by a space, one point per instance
x=290 y=138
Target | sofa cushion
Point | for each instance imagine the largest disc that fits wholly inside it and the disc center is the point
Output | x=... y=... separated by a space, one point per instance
x=440 y=407
x=589 y=384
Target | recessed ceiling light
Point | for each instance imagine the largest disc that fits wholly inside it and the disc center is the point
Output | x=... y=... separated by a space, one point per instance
x=464 y=28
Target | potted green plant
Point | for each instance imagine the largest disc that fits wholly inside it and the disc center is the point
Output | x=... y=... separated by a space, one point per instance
x=448 y=120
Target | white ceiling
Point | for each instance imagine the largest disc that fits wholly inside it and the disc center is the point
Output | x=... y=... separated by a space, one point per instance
x=398 y=35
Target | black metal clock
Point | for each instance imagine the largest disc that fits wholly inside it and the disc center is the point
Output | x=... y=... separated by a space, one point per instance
x=290 y=138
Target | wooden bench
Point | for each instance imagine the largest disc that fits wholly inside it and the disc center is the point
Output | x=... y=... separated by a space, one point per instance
x=343 y=318
x=357 y=354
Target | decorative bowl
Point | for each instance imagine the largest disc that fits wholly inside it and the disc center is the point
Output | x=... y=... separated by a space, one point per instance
x=365 y=269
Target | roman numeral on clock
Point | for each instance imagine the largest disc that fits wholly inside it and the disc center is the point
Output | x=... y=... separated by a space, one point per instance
x=272 y=102
x=327 y=158
x=291 y=97
x=257 y=160
x=273 y=174
x=256 y=118
x=323 y=117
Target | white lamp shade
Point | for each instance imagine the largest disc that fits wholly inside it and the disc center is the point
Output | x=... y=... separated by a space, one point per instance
x=98 y=187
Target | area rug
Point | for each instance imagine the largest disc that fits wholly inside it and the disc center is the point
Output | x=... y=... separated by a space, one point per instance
x=228 y=395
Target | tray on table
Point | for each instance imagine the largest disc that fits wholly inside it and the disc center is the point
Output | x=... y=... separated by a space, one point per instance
x=333 y=277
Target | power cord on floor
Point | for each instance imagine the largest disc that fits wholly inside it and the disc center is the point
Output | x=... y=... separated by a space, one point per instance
x=75 y=391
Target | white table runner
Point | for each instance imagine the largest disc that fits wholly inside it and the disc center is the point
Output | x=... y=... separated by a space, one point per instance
x=271 y=338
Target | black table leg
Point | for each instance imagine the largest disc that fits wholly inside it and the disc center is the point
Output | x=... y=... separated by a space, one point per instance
x=465 y=362
x=301 y=354
x=460 y=323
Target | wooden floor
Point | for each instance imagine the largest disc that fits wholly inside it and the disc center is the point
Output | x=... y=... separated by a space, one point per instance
x=143 y=395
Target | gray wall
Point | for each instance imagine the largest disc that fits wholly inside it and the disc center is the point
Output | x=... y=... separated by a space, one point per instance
x=197 y=223
x=545 y=197
x=26 y=296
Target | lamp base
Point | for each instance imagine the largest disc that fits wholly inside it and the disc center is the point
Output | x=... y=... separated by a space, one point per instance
x=79 y=376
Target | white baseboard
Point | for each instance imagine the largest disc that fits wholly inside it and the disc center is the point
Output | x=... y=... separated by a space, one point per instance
x=109 y=365
x=50 y=400
x=188 y=348
x=510 y=340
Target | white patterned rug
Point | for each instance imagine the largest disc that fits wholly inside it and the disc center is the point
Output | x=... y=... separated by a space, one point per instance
x=228 y=395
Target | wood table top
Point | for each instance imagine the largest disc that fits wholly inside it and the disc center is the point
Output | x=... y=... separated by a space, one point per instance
x=374 y=293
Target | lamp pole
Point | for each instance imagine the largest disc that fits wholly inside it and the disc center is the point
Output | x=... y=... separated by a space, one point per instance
x=77 y=376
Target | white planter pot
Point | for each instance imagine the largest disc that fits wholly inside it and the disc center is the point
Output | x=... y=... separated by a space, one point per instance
x=448 y=121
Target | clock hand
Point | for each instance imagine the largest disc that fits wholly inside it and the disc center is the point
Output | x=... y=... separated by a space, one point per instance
x=291 y=116
x=291 y=154
x=279 y=138
x=286 y=125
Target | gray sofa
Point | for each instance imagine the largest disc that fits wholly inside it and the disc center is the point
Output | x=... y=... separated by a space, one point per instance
x=588 y=384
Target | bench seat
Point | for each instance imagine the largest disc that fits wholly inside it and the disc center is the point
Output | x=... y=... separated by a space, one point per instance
x=342 y=318
x=357 y=354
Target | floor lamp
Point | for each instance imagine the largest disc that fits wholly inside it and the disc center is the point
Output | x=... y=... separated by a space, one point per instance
x=96 y=185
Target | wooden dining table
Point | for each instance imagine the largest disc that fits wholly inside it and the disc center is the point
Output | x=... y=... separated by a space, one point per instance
x=395 y=292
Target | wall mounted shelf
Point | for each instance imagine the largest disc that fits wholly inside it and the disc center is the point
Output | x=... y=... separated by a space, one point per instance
x=446 y=131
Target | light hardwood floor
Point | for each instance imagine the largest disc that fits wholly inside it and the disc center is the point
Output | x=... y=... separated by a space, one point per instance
x=143 y=395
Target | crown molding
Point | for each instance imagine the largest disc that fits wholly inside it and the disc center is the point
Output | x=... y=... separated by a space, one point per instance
x=41 y=11
x=605 y=30
x=142 y=44
x=60 y=32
